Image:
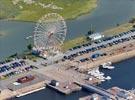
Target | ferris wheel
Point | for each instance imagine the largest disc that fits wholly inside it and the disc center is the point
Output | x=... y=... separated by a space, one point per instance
x=50 y=33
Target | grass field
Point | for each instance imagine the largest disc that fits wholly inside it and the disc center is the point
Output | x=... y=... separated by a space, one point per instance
x=74 y=42
x=119 y=29
x=32 y=12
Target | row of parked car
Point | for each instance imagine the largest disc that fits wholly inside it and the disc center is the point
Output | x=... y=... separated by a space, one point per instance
x=117 y=39
x=18 y=72
x=5 y=61
x=101 y=40
x=92 y=57
x=14 y=65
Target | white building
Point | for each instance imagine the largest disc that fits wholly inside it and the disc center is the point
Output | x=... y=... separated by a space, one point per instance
x=95 y=36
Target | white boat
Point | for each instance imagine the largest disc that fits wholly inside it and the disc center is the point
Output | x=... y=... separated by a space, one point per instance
x=107 y=64
x=108 y=67
x=89 y=72
x=102 y=77
x=102 y=74
x=111 y=67
x=96 y=75
x=102 y=80
x=28 y=37
x=108 y=78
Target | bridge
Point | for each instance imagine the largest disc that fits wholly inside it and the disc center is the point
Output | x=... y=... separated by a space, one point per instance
x=98 y=90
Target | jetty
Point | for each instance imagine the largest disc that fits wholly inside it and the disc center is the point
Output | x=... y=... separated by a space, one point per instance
x=118 y=94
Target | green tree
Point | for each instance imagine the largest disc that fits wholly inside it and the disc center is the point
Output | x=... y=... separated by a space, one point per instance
x=29 y=47
x=133 y=26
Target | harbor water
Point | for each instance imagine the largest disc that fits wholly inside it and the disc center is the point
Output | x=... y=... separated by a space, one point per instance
x=105 y=16
x=122 y=76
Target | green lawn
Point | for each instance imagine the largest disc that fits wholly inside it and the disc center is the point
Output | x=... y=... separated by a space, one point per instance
x=119 y=29
x=74 y=42
x=32 y=12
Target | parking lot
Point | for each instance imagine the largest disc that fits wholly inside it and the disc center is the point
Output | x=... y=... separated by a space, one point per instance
x=99 y=48
x=14 y=67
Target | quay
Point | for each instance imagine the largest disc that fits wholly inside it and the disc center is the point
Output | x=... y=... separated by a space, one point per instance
x=66 y=88
x=98 y=90
x=120 y=94
x=31 y=91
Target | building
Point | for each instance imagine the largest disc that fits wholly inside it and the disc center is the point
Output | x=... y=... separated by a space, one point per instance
x=95 y=36
x=54 y=83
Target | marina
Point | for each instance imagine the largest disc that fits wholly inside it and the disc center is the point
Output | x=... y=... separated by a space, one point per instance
x=94 y=65
x=68 y=71
x=66 y=74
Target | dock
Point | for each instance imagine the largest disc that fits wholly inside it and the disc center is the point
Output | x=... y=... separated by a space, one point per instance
x=119 y=94
x=29 y=92
x=66 y=87
x=98 y=90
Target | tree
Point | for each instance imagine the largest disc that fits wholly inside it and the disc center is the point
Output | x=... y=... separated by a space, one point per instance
x=29 y=47
x=132 y=20
x=133 y=26
x=117 y=24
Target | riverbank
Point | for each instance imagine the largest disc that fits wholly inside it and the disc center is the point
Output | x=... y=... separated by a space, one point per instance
x=109 y=32
x=119 y=29
x=73 y=42
x=30 y=12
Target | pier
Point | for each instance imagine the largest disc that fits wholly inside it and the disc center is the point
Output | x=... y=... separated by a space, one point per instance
x=119 y=94
x=98 y=90
x=66 y=87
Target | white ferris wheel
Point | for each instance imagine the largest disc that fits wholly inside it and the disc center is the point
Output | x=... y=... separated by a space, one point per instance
x=49 y=34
